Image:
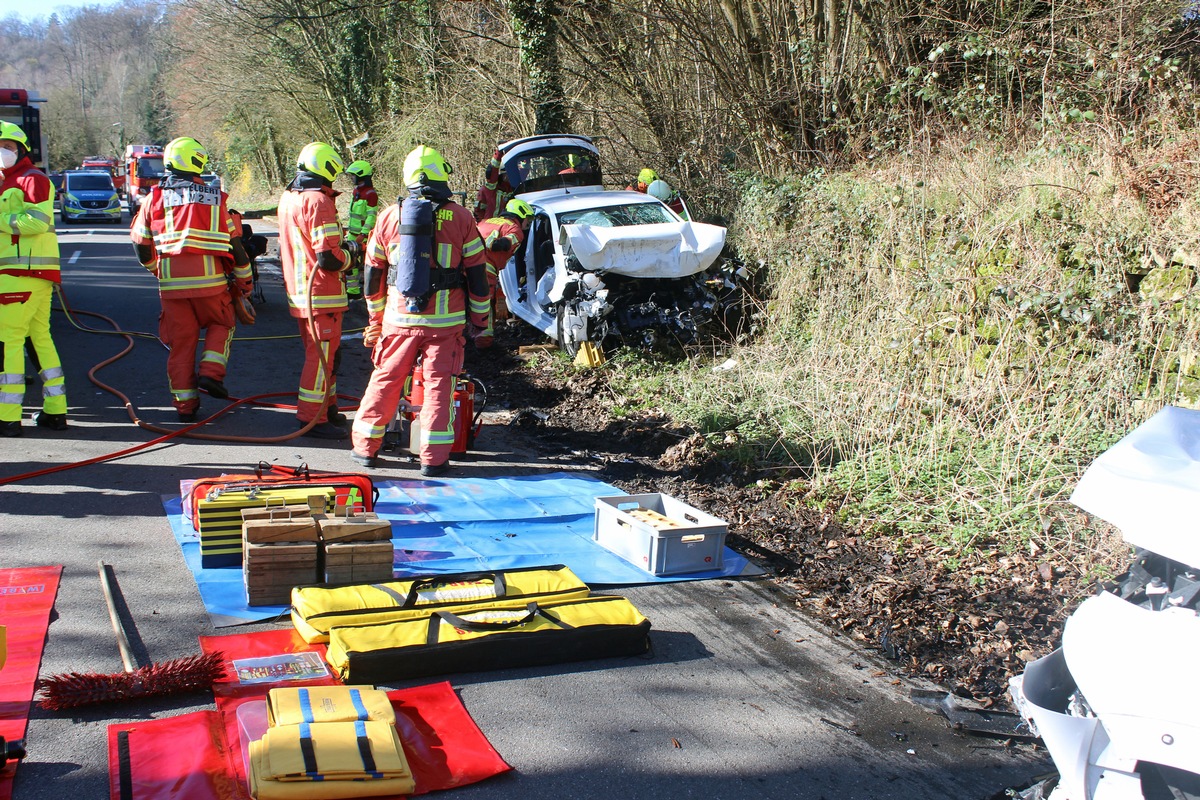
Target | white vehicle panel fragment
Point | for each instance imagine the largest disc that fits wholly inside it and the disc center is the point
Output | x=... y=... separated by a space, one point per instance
x=664 y=250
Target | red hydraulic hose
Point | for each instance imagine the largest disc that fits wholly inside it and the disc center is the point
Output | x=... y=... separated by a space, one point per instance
x=189 y=431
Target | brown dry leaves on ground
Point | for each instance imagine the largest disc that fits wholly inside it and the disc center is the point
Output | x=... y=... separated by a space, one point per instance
x=969 y=629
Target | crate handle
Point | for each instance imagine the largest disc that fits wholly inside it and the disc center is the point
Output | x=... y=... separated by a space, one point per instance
x=691 y=518
x=692 y=538
x=628 y=506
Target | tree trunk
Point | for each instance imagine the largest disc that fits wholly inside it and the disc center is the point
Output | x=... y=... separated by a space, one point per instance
x=536 y=29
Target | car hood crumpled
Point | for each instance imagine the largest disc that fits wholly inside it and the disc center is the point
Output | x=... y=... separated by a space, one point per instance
x=662 y=250
x=1148 y=485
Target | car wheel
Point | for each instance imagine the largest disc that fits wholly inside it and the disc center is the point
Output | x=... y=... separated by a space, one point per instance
x=570 y=348
x=65 y=220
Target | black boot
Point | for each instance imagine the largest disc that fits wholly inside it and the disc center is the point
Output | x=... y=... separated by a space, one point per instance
x=214 y=387
x=55 y=422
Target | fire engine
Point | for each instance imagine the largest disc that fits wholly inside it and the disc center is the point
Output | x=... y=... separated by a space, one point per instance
x=17 y=107
x=143 y=170
x=109 y=165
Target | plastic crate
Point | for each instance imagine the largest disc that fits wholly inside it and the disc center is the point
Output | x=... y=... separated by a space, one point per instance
x=660 y=534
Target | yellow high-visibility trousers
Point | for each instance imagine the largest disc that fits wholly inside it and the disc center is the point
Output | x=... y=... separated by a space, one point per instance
x=25 y=313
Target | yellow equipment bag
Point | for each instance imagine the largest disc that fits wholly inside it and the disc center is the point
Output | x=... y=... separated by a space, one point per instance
x=329 y=760
x=319 y=704
x=442 y=642
x=316 y=609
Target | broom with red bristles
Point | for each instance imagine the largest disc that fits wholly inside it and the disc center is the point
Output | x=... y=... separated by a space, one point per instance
x=181 y=675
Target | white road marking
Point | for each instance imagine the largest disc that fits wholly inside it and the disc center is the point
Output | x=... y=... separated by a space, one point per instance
x=75 y=257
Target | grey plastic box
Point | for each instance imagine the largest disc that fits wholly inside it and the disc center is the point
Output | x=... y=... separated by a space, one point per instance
x=694 y=541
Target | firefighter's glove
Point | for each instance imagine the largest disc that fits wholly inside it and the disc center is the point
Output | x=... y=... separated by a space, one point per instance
x=500 y=245
x=354 y=253
x=371 y=334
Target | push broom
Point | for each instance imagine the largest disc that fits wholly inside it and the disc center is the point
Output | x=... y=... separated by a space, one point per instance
x=178 y=676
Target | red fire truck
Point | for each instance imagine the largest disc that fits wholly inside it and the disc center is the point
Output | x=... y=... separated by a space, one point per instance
x=109 y=165
x=143 y=170
x=17 y=107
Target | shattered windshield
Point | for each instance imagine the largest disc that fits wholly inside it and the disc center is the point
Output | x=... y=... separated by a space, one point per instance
x=617 y=216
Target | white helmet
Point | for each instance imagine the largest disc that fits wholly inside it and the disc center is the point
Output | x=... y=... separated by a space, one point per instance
x=661 y=190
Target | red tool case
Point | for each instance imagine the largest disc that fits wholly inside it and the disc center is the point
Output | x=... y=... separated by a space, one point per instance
x=354 y=489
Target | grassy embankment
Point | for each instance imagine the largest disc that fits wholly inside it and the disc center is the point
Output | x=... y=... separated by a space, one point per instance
x=952 y=338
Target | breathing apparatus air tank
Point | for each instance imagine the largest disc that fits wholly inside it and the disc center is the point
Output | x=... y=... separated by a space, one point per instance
x=415 y=254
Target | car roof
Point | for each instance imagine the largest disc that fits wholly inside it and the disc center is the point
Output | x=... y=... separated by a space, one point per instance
x=557 y=201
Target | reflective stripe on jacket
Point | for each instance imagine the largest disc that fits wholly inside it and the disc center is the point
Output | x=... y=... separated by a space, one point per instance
x=500 y=228
x=364 y=207
x=188 y=225
x=28 y=243
x=308 y=225
x=456 y=246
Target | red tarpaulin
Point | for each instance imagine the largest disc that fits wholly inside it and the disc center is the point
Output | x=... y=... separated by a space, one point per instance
x=199 y=756
x=26 y=597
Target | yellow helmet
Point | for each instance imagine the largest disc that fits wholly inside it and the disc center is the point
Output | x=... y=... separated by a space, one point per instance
x=360 y=169
x=320 y=159
x=185 y=154
x=13 y=133
x=647 y=176
x=520 y=208
x=424 y=165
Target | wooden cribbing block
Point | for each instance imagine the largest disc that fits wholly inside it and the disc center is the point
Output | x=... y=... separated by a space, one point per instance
x=271 y=570
x=277 y=512
x=371 y=573
x=358 y=562
x=342 y=553
x=362 y=527
x=264 y=531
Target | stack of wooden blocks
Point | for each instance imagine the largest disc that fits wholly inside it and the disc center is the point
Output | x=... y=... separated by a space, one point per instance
x=281 y=549
x=358 y=547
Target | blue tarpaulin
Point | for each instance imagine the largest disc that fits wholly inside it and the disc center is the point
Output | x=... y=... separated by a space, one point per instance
x=464 y=525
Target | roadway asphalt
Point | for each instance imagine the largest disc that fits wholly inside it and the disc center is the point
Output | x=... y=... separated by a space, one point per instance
x=741 y=696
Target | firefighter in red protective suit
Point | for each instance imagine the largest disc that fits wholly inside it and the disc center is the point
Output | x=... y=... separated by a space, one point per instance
x=430 y=326
x=502 y=236
x=28 y=272
x=311 y=243
x=185 y=237
x=495 y=191
x=646 y=177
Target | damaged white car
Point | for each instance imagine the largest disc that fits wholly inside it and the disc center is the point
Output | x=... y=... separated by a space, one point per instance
x=607 y=267
x=1118 y=705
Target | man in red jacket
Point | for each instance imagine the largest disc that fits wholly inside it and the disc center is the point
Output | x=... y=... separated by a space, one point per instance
x=184 y=235
x=431 y=327
x=313 y=255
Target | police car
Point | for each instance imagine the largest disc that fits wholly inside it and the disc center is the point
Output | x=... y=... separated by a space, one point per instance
x=89 y=195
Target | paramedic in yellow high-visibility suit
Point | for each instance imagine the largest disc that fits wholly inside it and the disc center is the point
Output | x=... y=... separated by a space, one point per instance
x=28 y=272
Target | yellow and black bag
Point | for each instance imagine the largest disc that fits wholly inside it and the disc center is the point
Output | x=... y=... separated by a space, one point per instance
x=316 y=609
x=441 y=642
